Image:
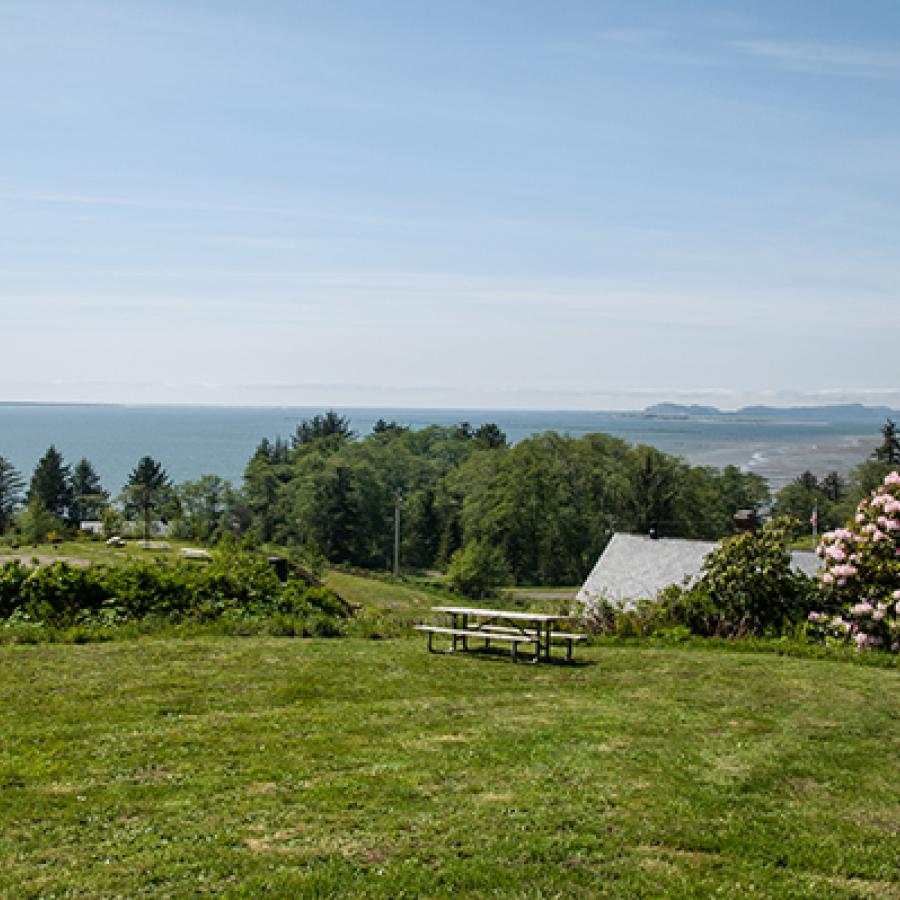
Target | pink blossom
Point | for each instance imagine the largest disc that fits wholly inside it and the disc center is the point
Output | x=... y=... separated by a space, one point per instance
x=860 y=518
x=828 y=578
x=893 y=478
x=871 y=528
x=879 y=536
x=861 y=609
x=878 y=614
x=896 y=595
x=836 y=551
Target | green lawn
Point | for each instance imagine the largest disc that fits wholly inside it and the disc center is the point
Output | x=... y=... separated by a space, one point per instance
x=369 y=768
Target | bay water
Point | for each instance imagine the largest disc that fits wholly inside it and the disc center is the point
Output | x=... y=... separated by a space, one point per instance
x=191 y=441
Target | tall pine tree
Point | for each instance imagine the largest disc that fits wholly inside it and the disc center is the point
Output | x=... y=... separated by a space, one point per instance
x=88 y=497
x=147 y=490
x=50 y=484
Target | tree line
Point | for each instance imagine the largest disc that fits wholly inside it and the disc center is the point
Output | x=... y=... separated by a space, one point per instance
x=541 y=510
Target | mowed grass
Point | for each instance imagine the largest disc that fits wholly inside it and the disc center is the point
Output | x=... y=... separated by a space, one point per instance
x=369 y=768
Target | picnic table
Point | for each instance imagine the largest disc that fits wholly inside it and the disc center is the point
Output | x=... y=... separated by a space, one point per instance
x=511 y=626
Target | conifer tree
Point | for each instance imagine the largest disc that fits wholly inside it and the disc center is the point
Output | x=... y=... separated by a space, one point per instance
x=889 y=451
x=88 y=496
x=50 y=484
x=11 y=485
x=147 y=489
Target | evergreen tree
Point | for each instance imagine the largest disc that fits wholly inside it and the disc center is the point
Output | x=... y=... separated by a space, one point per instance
x=88 y=497
x=147 y=489
x=337 y=515
x=331 y=424
x=889 y=451
x=50 y=484
x=490 y=436
x=833 y=487
x=11 y=485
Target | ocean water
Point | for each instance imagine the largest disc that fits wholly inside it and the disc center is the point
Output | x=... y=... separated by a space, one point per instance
x=191 y=441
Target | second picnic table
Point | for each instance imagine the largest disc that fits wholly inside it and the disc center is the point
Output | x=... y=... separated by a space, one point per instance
x=513 y=626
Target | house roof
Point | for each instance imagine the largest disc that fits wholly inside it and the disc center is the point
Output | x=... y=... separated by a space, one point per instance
x=634 y=567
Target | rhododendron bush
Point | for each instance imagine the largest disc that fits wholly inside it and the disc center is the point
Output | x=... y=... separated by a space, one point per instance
x=861 y=573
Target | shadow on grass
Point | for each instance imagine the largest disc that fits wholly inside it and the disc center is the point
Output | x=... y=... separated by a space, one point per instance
x=501 y=655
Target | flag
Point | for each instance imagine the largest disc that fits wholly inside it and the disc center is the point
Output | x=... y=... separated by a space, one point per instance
x=814 y=518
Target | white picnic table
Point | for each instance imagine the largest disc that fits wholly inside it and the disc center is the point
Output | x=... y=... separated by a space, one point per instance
x=513 y=626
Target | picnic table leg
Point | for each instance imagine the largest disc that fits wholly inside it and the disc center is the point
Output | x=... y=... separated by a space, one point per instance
x=547 y=643
x=465 y=640
x=454 y=637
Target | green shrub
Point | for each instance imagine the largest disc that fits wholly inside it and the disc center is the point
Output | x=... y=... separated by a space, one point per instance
x=236 y=589
x=748 y=587
x=477 y=570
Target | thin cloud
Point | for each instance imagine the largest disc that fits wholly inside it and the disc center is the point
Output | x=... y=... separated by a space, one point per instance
x=847 y=60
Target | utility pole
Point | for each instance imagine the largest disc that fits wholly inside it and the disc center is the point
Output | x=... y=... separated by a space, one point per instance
x=398 y=499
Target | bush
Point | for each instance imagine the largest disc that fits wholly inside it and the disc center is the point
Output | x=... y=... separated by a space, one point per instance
x=237 y=588
x=861 y=574
x=477 y=570
x=747 y=588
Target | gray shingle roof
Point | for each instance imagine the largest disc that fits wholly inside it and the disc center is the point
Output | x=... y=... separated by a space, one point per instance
x=634 y=567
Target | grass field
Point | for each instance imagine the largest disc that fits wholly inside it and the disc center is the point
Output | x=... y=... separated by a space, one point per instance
x=369 y=768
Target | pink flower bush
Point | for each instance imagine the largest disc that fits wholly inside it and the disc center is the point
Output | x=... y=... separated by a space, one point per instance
x=861 y=574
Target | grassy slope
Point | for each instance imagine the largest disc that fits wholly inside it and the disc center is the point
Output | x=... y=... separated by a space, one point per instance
x=371 y=768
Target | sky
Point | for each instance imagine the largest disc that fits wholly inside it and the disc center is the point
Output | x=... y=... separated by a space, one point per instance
x=476 y=203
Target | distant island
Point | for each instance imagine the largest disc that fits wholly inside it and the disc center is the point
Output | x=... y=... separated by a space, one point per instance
x=844 y=412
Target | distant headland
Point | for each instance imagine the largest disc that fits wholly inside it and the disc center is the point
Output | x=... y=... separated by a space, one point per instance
x=838 y=413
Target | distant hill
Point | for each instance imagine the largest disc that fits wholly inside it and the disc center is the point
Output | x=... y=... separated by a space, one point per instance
x=842 y=412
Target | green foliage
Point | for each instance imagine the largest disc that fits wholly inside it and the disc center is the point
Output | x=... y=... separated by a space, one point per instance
x=747 y=588
x=889 y=449
x=50 y=484
x=207 y=509
x=549 y=503
x=234 y=586
x=330 y=425
x=35 y=522
x=11 y=485
x=477 y=570
x=148 y=488
x=89 y=499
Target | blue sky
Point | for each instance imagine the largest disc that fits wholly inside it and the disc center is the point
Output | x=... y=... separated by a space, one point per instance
x=579 y=204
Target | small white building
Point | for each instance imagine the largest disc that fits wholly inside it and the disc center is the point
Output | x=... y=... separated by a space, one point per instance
x=91 y=526
x=635 y=567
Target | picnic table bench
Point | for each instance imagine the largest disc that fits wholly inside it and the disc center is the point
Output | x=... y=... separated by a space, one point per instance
x=512 y=626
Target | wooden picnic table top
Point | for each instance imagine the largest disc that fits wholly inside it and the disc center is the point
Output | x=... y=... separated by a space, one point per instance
x=502 y=614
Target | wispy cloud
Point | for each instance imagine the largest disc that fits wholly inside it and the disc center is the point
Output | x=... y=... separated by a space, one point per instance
x=846 y=60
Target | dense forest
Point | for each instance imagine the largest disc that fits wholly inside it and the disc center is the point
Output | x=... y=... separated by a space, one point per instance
x=545 y=507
